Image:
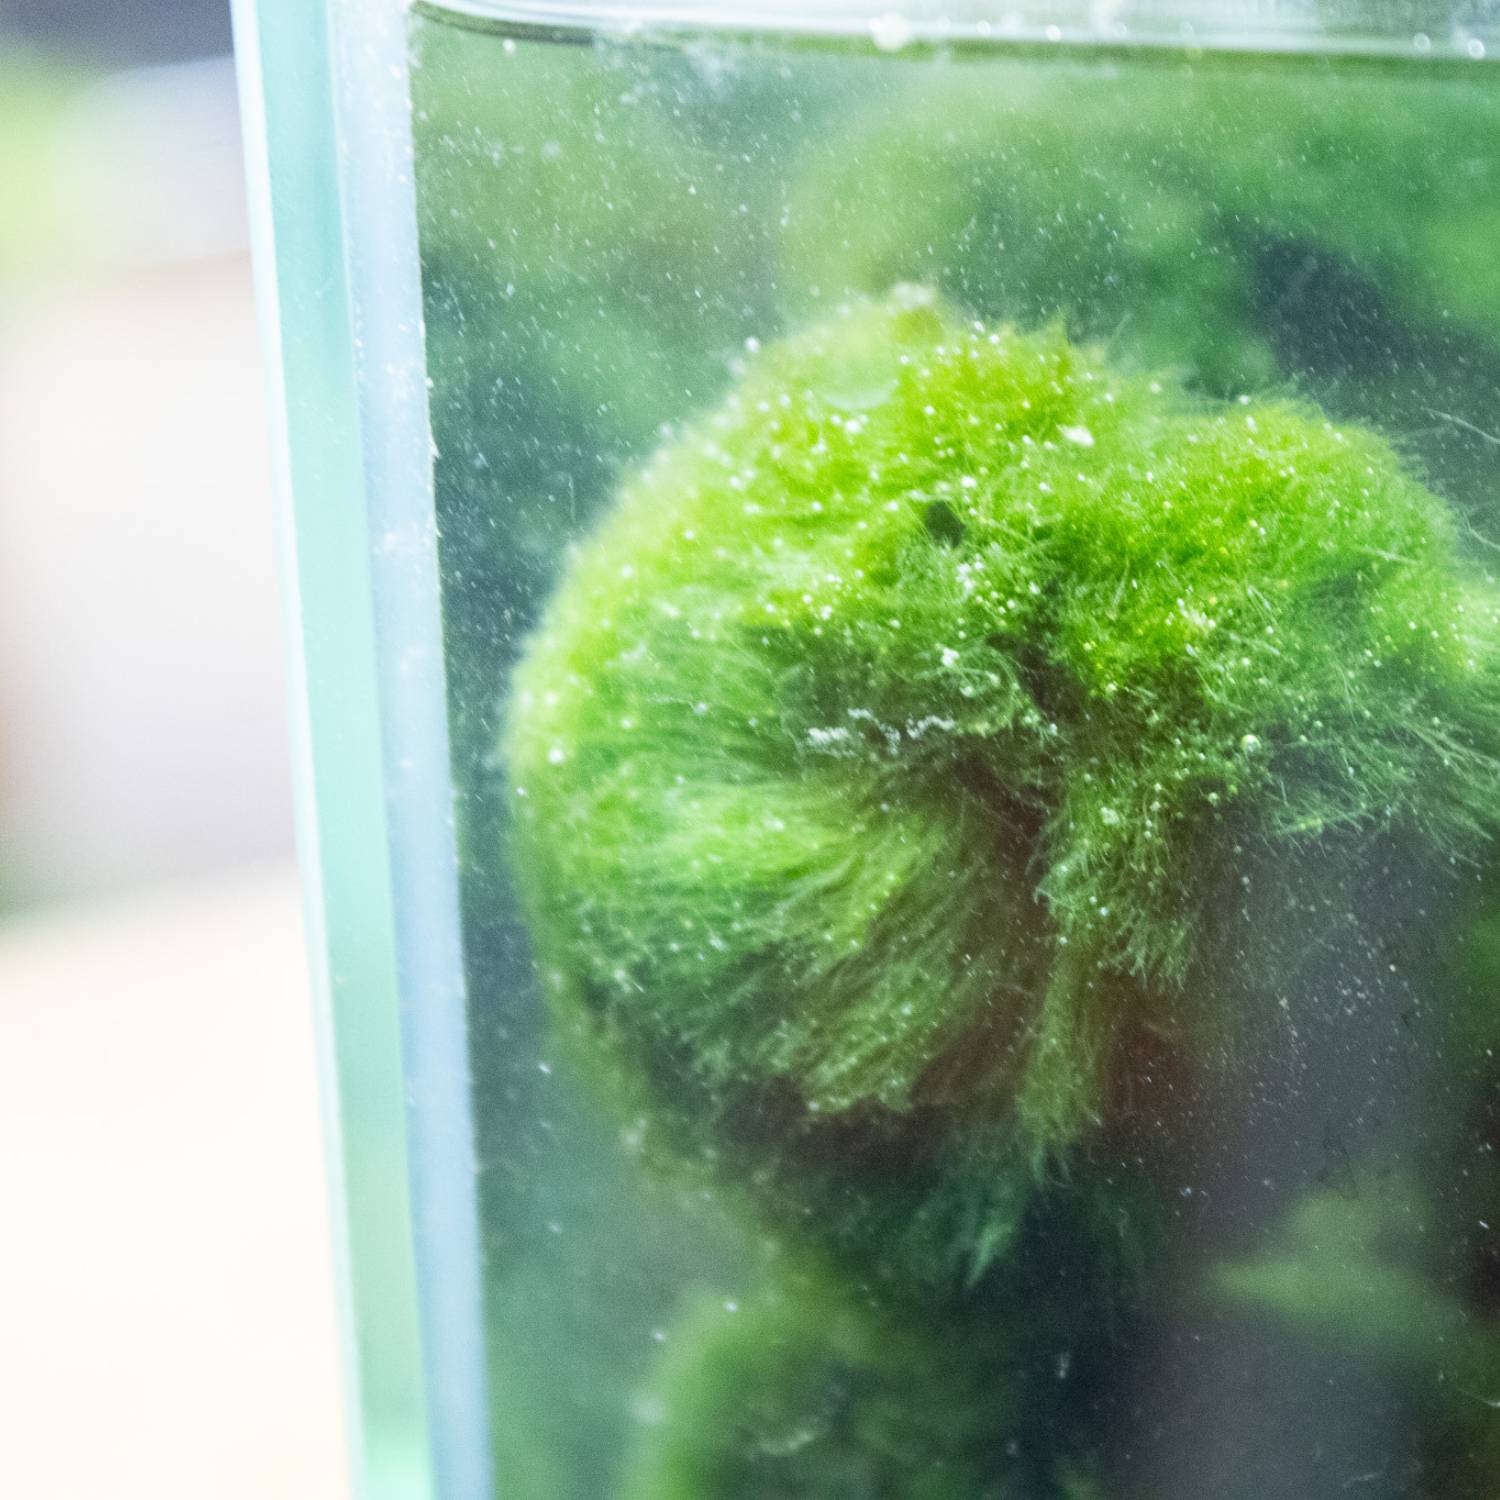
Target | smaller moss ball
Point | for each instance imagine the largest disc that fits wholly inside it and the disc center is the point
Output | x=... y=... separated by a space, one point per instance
x=803 y=1389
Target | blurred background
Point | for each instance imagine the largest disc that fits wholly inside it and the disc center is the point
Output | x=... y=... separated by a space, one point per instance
x=165 y=1283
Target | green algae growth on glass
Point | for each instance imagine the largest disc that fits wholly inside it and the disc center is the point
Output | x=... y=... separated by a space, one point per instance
x=971 y=587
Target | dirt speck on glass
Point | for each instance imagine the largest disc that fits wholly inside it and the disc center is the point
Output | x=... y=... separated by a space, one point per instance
x=971 y=584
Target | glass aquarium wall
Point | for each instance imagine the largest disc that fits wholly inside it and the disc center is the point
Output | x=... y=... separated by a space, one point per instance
x=902 y=632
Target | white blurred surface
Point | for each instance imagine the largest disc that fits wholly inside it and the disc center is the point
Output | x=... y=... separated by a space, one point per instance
x=142 y=715
x=173 y=190
x=142 y=722
x=165 y=1283
x=166 y=1302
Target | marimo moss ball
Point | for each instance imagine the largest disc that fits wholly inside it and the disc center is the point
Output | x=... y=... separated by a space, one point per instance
x=1335 y=226
x=806 y=1390
x=889 y=762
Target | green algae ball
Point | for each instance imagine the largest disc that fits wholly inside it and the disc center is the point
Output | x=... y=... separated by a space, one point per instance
x=1033 y=194
x=805 y=1389
x=890 y=764
x=1238 y=221
x=813 y=1382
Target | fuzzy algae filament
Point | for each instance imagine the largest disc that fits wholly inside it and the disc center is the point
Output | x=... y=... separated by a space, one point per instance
x=889 y=761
